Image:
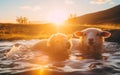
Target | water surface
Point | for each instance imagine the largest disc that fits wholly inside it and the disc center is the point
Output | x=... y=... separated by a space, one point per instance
x=28 y=62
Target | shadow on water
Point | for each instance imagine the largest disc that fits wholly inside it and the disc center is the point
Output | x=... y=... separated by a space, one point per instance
x=30 y=65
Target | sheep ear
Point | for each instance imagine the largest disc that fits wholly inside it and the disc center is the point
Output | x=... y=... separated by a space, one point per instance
x=105 y=34
x=78 y=33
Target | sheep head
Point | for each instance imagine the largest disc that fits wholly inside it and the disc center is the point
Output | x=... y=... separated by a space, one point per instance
x=59 y=41
x=92 y=39
x=59 y=46
x=92 y=36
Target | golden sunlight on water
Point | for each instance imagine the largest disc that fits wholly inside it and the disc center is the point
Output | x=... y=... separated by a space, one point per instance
x=41 y=71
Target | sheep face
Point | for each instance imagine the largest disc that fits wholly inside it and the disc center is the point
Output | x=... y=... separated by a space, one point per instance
x=59 y=47
x=59 y=41
x=92 y=36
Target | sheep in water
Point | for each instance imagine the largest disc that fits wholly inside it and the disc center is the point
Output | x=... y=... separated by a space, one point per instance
x=57 y=47
x=90 y=42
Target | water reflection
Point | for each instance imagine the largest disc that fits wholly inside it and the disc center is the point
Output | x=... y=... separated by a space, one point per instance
x=37 y=63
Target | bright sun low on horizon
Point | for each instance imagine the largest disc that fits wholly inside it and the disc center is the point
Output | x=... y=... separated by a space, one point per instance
x=57 y=17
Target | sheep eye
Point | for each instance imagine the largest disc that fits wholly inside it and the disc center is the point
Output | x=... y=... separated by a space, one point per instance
x=97 y=34
x=85 y=34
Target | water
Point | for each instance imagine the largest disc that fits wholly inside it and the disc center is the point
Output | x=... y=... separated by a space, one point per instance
x=31 y=63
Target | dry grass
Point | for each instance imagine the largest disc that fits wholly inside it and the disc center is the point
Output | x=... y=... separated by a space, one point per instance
x=18 y=31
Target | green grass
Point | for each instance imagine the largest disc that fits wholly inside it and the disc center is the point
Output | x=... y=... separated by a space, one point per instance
x=38 y=31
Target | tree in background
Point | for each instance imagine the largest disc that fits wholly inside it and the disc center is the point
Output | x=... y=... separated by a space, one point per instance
x=71 y=19
x=22 y=20
x=72 y=16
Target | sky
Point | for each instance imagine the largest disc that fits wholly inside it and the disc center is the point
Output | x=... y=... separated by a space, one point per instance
x=41 y=10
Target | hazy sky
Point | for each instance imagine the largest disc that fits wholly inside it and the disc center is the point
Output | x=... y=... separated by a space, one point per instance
x=42 y=9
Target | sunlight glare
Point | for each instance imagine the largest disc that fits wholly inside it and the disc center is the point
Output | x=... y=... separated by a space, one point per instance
x=57 y=17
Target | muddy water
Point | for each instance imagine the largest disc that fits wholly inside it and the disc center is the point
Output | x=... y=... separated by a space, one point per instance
x=30 y=63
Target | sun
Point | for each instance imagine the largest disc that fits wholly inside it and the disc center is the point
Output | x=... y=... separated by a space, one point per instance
x=57 y=17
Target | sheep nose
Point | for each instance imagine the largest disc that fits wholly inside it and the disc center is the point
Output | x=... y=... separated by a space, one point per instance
x=91 y=39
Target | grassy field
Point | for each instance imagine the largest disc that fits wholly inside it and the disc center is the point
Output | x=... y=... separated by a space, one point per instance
x=38 y=31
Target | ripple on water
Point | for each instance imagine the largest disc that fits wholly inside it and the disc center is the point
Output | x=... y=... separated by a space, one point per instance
x=31 y=61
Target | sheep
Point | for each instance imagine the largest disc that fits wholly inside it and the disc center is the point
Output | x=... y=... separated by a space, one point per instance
x=57 y=47
x=90 y=42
